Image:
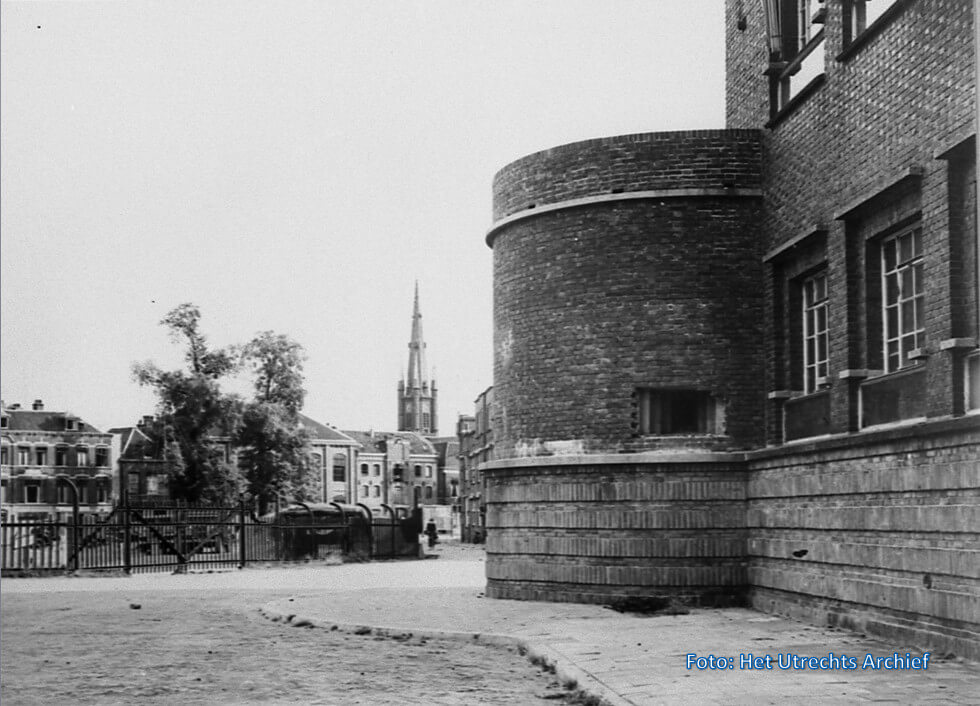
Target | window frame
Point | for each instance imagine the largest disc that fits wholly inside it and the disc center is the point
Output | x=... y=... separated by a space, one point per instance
x=815 y=302
x=915 y=265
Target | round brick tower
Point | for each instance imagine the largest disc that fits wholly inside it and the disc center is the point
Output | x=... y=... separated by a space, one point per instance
x=627 y=367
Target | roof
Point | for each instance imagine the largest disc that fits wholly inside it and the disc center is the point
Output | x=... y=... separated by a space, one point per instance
x=377 y=441
x=133 y=442
x=323 y=432
x=43 y=420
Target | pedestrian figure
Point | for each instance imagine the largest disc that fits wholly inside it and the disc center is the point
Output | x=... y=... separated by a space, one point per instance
x=432 y=533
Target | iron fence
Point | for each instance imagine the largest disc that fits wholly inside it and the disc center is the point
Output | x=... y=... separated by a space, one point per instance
x=180 y=537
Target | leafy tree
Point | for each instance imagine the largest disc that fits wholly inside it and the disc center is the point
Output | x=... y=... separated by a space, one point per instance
x=274 y=449
x=195 y=412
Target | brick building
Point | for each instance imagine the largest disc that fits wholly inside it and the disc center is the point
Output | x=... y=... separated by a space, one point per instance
x=475 y=449
x=742 y=365
x=37 y=446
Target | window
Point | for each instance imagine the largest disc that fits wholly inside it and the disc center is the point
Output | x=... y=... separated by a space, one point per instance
x=418 y=471
x=101 y=456
x=81 y=456
x=973 y=382
x=428 y=492
x=364 y=491
x=339 y=472
x=861 y=14
x=376 y=491
x=425 y=421
x=377 y=469
x=666 y=412
x=903 y=301
x=364 y=469
x=815 y=338
x=454 y=489
x=32 y=493
x=61 y=456
x=103 y=493
x=23 y=455
x=799 y=61
x=41 y=456
x=428 y=471
x=4 y=422
x=64 y=493
x=134 y=482
x=5 y=455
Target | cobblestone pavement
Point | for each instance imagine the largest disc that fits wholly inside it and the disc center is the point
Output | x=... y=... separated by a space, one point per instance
x=624 y=659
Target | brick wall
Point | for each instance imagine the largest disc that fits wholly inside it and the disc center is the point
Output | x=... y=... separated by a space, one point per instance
x=593 y=301
x=886 y=531
x=592 y=531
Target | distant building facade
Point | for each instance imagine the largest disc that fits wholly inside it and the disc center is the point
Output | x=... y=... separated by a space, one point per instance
x=475 y=449
x=36 y=447
x=394 y=468
x=417 y=394
x=333 y=455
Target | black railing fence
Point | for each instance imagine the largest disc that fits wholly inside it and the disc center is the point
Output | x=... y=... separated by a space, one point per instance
x=180 y=537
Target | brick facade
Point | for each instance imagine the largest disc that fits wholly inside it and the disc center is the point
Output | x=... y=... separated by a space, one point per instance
x=850 y=160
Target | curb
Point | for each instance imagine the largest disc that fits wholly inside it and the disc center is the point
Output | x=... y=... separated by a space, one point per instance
x=563 y=668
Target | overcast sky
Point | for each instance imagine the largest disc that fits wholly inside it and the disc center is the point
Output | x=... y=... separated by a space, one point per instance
x=296 y=167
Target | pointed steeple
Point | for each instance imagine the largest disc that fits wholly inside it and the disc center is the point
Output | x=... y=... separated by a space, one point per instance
x=417 y=392
x=417 y=377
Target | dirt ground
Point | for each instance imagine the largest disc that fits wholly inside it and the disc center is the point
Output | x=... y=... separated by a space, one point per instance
x=213 y=647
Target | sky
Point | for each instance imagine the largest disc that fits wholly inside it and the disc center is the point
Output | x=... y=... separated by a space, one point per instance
x=297 y=167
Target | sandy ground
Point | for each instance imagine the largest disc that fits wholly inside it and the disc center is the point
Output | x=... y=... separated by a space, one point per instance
x=212 y=646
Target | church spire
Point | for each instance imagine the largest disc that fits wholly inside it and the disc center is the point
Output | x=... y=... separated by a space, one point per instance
x=417 y=375
x=416 y=392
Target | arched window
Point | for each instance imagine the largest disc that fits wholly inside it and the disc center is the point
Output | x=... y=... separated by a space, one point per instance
x=376 y=491
x=377 y=469
x=364 y=491
x=454 y=488
x=428 y=492
x=364 y=469
x=428 y=471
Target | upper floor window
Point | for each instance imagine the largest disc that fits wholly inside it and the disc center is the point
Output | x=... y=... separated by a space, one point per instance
x=23 y=455
x=796 y=47
x=815 y=337
x=339 y=473
x=376 y=491
x=364 y=469
x=32 y=493
x=902 y=294
x=428 y=491
x=861 y=14
x=41 y=456
x=4 y=422
x=364 y=491
x=81 y=456
x=428 y=471
x=377 y=469
x=5 y=455
x=61 y=455
x=418 y=471
x=101 y=456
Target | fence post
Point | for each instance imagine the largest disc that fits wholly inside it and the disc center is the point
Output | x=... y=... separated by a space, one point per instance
x=76 y=550
x=127 y=526
x=241 y=531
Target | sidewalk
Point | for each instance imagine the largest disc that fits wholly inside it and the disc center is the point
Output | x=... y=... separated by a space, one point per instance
x=627 y=659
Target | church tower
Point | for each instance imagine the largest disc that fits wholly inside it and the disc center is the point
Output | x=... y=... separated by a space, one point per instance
x=416 y=393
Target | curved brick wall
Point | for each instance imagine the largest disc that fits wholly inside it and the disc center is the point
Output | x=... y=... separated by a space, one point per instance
x=622 y=263
x=593 y=529
x=638 y=266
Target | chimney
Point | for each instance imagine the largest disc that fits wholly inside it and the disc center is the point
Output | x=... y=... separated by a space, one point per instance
x=146 y=421
x=38 y=406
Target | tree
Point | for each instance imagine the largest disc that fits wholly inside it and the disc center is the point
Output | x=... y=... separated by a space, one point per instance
x=274 y=451
x=195 y=412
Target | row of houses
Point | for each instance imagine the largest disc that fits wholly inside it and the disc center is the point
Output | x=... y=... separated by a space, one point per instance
x=44 y=449
x=45 y=453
